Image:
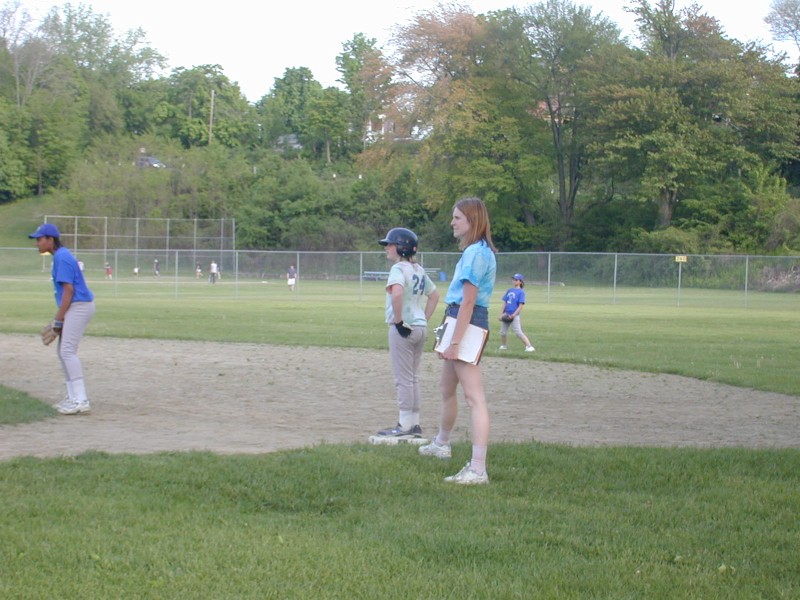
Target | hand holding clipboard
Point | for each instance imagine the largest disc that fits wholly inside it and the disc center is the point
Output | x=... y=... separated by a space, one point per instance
x=471 y=346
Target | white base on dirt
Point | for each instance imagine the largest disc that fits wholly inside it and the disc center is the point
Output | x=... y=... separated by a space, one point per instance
x=387 y=440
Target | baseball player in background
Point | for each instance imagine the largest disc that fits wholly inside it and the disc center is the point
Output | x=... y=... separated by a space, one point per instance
x=75 y=308
x=513 y=301
x=213 y=271
x=411 y=298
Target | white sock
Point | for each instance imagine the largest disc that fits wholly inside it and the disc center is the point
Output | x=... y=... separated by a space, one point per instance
x=478 y=462
x=443 y=437
x=406 y=420
x=79 y=388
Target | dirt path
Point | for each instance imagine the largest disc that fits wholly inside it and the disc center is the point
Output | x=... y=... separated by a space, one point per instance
x=153 y=395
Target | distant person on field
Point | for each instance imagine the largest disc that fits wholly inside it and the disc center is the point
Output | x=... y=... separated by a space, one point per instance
x=75 y=308
x=198 y=271
x=291 y=277
x=513 y=301
x=156 y=269
x=109 y=272
x=411 y=298
x=213 y=270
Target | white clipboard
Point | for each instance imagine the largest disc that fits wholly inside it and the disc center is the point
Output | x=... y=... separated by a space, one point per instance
x=470 y=348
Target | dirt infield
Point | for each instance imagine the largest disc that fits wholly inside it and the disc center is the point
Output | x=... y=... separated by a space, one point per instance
x=155 y=395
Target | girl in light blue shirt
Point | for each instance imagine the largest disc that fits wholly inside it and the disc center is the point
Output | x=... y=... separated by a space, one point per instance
x=468 y=302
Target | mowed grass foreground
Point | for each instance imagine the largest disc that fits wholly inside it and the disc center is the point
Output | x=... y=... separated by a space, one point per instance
x=379 y=522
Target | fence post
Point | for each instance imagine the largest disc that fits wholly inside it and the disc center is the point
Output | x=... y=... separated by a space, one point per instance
x=746 y=277
x=360 y=278
x=236 y=270
x=176 y=273
x=116 y=273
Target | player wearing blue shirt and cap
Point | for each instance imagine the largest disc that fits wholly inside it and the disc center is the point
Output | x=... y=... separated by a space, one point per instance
x=75 y=308
x=513 y=301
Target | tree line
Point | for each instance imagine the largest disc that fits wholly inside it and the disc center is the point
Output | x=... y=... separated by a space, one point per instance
x=577 y=138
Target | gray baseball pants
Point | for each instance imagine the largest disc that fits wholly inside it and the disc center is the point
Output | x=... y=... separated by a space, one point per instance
x=75 y=321
x=406 y=354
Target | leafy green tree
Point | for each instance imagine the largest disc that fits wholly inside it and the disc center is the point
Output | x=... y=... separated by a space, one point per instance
x=553 y=51
x=281 y=192
x=504 y=99
x=438 y=59
x=697 y=110
x=652 y=142
x=783 y=20
x=326 y=118
x=20 y=55
x=14 y=182
x=210 y=183
x=368 y=77
x=203 y=106
x=107 y=65
x=293 y=93
x=58 y=125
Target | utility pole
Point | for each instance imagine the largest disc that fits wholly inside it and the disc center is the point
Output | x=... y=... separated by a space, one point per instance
x=211 y=121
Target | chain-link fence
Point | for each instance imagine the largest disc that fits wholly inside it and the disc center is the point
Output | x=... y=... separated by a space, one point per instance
x=115 y=233
x=549 y=276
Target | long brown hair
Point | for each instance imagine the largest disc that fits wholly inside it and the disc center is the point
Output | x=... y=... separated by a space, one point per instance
x=479 y=227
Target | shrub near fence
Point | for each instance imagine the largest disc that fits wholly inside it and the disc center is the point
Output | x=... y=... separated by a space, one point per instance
x=556 y=272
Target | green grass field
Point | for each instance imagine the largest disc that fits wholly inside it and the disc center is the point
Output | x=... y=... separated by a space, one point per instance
x=713 y=338
x=378 y=522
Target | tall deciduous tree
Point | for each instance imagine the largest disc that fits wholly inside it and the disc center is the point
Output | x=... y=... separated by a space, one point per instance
x=293 y=93
x=106 y=64
x=204 y=107
x=784 y=20
x=698 y=107
x=553 y=50
x=14 y=178
x=368 y=78
x=327 y=118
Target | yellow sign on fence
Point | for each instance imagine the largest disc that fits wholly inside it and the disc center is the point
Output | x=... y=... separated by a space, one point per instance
x=681 y=258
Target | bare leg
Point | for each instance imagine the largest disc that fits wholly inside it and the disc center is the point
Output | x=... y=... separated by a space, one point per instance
x=472 y=383
x=448 y=385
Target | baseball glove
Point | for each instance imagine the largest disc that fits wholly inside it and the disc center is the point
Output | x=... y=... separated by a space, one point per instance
x=51 y=331
x=507 y=318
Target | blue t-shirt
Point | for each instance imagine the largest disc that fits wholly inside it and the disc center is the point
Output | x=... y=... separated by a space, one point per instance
x=478 y=266
x=513 y=298
x=66 y=270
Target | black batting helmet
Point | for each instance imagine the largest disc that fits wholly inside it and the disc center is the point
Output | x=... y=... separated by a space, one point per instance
x=405 y=240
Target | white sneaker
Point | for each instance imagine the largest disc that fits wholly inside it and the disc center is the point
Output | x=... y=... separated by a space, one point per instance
x=503 y=347
x=530 y=349
x=467 y=476
x=434 y=449
x=73 y=407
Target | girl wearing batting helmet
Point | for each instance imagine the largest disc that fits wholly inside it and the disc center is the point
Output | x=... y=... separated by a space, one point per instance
x=411 y=299
x=467 y=300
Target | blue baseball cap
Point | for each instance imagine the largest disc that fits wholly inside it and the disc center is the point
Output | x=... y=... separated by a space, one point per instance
x=46 y=230
x=518 y=276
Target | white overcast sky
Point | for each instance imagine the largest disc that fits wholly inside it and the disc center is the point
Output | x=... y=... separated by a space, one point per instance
x=255 y=42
